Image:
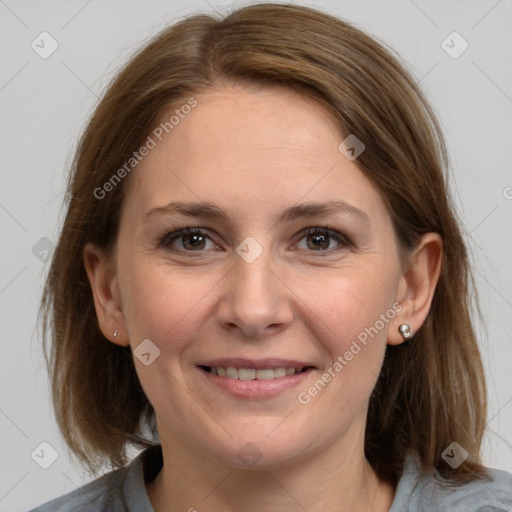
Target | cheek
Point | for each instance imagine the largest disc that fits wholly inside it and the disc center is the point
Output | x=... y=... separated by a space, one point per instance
x=163 y=304
x=339 y=305
x=353 y=318
x=351 y=303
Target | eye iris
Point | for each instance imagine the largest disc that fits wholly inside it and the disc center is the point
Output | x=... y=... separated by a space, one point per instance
x=196 y=241
x=319 y=241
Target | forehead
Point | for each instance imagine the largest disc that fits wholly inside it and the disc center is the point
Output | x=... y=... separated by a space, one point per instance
x=250 y=150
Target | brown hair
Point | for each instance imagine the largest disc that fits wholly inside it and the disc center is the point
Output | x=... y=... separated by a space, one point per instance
x=429 y=394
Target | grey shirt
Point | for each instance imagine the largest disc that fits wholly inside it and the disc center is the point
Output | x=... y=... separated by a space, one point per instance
x=124 y=490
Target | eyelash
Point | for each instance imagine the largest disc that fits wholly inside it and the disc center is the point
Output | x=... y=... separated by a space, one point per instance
x=343 y=241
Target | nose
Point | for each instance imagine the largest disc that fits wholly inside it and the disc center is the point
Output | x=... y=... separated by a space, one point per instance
x=256 y=302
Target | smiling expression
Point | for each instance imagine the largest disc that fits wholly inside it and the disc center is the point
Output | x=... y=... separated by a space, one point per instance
x=288 y=253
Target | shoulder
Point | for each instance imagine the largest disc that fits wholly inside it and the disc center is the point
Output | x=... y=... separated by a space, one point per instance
x=122 y=490
x=491 y=495
x=421 y=492
x=93 y=496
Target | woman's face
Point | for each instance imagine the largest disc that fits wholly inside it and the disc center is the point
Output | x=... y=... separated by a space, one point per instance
x=252 y=288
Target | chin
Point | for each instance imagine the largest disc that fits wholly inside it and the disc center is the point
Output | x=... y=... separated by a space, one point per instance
x=262 y=448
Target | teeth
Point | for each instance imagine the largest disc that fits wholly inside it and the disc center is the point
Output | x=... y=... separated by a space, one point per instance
x=231 y=372
x=246 y=374
x=265 y=374
x=281 y=372
x=252 y=374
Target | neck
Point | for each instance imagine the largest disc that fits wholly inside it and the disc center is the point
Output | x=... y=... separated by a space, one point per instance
x=339 y=478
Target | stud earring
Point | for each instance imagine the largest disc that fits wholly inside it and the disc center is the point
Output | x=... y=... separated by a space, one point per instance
x=405 y=331
x=115 y=334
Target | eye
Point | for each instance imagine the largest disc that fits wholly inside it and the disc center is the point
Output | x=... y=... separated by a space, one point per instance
x=189 y=239
x=319 y=239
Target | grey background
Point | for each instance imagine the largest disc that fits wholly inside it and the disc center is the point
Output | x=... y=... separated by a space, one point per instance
x=45 y=104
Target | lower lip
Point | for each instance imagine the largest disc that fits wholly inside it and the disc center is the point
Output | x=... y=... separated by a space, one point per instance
x=256 y=388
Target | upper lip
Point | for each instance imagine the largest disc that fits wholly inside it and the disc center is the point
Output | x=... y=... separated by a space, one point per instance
x=257 y=364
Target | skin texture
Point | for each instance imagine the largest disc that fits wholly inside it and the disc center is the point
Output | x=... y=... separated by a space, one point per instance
x=254 y=153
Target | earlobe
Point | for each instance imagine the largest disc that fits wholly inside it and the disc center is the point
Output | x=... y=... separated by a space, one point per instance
x=417 y=287
x=104 y=285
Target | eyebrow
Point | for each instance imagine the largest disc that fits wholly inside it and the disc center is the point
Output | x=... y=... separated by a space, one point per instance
x=295 y=212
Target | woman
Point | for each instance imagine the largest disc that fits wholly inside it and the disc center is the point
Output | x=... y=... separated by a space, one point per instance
x=261 y=281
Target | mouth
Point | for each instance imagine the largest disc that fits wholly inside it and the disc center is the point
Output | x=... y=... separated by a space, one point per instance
x=232 y=372
x=250 y=379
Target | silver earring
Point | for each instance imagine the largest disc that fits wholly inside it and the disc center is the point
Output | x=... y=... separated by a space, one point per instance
x=405 y=331
x=115 y=334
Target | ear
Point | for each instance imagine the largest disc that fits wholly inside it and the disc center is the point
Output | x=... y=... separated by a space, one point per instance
x=417 y=285
x=102 y=276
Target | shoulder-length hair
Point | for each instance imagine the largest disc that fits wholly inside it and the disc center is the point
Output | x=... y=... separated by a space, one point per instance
x=429 y=394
